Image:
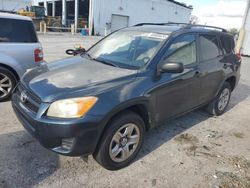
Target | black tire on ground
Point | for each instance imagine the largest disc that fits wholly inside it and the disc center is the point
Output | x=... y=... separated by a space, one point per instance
x=102 y=154
x=12 y=79
x=56 y=24
x=213 y=107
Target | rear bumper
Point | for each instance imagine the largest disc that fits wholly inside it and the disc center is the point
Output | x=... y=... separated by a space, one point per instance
x=21 y=70
x=67 y=137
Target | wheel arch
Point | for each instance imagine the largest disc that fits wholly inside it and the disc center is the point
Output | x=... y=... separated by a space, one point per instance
x=11 y=70
x=232 y=81
x=139 y=108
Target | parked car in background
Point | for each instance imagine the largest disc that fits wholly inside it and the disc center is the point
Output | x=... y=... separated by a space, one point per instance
x=102 y=101
x=20 y=50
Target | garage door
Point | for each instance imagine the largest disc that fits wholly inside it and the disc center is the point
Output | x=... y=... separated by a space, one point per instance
x=118 y=22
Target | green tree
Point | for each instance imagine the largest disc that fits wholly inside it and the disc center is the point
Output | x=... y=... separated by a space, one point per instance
x=234 y=31
x=194 y=19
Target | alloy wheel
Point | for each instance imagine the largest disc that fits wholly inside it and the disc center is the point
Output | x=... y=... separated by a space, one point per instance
x=124 y=142
x=5 y=85
x=223 y=99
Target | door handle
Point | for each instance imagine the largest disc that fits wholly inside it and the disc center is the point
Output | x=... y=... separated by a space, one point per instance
x=197 y=73
x=226 y=65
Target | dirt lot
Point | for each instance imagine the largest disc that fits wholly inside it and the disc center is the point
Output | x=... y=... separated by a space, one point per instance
x=196 y=150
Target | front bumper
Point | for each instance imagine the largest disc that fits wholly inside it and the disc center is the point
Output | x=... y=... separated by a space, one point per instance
x=74 y=137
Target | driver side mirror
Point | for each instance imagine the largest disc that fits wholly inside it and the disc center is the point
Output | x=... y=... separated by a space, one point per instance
x=170 y=67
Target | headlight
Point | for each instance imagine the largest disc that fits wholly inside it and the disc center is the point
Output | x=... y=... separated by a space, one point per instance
x=71 y=108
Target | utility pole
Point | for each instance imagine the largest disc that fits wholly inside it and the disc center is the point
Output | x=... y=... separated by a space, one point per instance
x=64 y=12
x=76 y=14
x=46 y=7
x=53 y=8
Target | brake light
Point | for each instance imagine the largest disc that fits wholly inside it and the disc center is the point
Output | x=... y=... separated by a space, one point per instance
x=38 y=55
x=238 y=56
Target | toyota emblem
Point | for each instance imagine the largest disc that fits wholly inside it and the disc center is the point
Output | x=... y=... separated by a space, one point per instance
x=24 y=97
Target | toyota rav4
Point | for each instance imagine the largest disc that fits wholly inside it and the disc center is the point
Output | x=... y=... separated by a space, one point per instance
x=102 y=101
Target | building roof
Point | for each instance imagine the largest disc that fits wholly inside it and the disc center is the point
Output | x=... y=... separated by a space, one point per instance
x=14 y=16
x=181 y=4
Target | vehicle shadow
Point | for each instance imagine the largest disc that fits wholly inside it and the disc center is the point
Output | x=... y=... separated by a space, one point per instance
x=23 y=162
x=162 y=134
x=241 y=93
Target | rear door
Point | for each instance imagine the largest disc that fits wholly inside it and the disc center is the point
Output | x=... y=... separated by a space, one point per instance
x=210 y=67
x=18 y=42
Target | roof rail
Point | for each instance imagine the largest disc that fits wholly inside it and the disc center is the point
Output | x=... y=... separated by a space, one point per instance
x=206 y=26
x=186 y=25
x=141 y=24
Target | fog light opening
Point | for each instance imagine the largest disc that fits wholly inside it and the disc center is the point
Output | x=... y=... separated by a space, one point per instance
x=67 y=143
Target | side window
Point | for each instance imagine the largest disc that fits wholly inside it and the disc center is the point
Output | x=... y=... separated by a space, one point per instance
x=227 y=43
x=209 y=47
x=183 y=49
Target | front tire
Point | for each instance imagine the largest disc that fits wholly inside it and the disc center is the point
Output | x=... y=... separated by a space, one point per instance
x=121 y=142
x=7 y=83
x=219 y=105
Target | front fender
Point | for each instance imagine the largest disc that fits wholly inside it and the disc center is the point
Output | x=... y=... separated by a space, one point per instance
x=144 y=101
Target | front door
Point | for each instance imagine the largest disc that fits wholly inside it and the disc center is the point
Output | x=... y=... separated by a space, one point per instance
x=178 y=93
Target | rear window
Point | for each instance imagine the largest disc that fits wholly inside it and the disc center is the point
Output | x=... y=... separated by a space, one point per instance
x=227 y=43
x=19 y=31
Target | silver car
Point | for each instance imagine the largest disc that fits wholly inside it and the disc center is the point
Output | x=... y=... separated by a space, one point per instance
x=20 y=50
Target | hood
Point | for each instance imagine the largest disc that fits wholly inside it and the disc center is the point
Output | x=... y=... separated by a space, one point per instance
x=72 y=75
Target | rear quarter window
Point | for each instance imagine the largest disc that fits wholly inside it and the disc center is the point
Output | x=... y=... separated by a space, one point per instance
x=227 y=43
x=17 y=31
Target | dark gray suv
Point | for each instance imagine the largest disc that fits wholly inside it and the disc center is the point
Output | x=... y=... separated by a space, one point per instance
x=102 y=101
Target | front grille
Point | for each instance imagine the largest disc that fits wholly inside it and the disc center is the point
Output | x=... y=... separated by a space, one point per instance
x=32 y=102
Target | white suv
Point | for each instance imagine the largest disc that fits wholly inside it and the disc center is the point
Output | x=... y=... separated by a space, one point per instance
x=20 y=50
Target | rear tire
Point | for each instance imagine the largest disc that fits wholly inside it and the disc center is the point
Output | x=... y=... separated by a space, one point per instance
x=7 y=83
x=121 y=141
x=219 y=105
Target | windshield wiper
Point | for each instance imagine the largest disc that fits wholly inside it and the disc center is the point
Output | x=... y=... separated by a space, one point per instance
x=100 y=60
x=105 y=62
x=87 y=54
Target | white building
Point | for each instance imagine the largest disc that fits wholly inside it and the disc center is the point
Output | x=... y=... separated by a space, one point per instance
x=13 y=5
x=244 y=39
x=109 y=15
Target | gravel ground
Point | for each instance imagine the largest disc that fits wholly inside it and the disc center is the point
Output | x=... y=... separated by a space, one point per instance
x=195 y=150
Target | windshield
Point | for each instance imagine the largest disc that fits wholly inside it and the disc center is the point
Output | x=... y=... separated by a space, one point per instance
x=128 y=49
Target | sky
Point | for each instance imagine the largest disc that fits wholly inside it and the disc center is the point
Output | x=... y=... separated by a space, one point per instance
x=221 y=13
